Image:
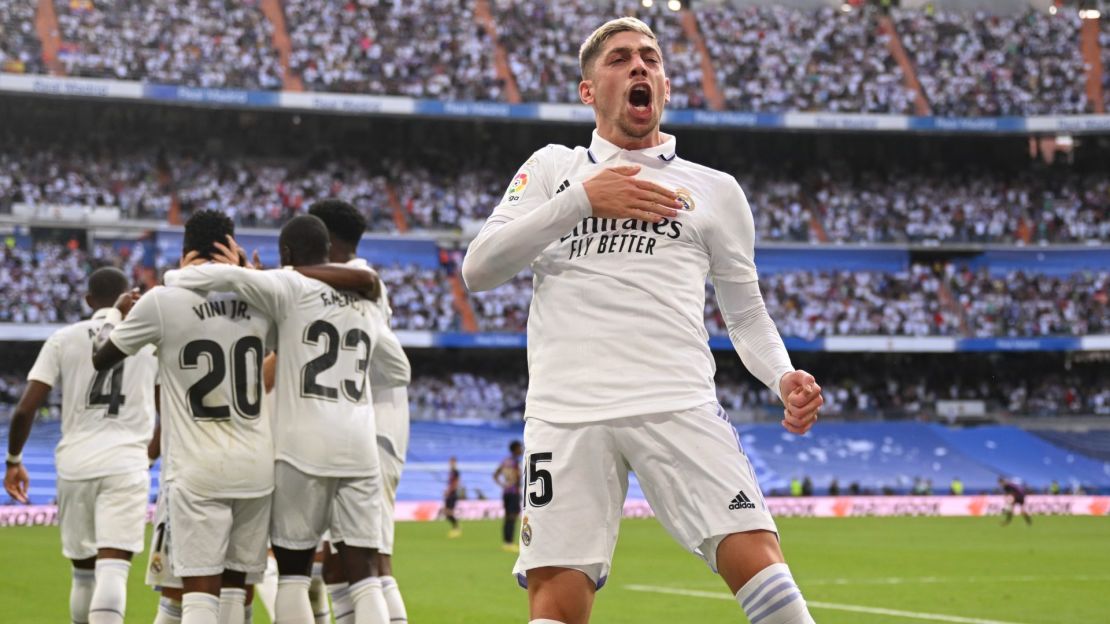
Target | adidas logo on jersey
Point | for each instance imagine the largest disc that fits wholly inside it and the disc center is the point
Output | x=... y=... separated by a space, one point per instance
x=741 y=501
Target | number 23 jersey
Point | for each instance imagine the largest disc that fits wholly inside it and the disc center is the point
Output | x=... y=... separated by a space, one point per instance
x=210 y=350
x=325 y=423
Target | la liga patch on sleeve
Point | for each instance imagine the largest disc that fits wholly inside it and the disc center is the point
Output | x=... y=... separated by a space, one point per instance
x=516 y=187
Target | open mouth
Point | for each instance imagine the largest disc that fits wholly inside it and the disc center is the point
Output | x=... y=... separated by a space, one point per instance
x=639 y=99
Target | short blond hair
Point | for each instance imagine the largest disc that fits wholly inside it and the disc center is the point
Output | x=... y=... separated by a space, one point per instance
x=591 y=47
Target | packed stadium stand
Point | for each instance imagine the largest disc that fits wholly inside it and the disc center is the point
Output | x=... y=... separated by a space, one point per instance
x=759 y=58
x=824 y=203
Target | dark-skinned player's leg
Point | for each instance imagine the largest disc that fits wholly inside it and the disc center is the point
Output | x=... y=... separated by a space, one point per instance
x=294 y=577
x=367 y=598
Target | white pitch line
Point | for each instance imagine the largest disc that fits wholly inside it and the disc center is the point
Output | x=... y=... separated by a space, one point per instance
x=913 y=615
x=899 y=580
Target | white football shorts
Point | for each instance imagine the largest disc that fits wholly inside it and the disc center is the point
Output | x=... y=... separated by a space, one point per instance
x=106 y=512
x=690 y=466
x=209 y=535
x=307 y=505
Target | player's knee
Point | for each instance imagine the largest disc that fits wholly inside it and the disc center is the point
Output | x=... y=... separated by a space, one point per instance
x=84 y=564
x=295 y=562
x=560 y=594
x=738 y=557
x=114 y=553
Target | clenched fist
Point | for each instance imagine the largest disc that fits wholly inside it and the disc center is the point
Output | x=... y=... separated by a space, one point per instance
x=803 y=399
x=616 y=194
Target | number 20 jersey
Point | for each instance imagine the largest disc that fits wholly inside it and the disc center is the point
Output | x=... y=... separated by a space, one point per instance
x=325 y=423
x=108 y=417
x=219 y=441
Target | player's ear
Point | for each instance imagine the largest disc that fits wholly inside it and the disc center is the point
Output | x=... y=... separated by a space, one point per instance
x=586 y=91
x=666 y=89
x=89 y=301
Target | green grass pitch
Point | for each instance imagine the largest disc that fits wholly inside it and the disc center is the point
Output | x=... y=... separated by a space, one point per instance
x=858 y=570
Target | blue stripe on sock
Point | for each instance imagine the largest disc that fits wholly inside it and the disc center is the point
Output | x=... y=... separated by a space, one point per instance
x=754 y=595
x=771 y=593
x=778 y=605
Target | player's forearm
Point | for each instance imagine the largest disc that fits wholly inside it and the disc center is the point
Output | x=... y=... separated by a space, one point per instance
x=503 y=249
x=753 y=333
x=20 y=430
x=356 y=279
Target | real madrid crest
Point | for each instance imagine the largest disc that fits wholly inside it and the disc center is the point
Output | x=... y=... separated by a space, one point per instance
x=526 y=532
x=686 y=198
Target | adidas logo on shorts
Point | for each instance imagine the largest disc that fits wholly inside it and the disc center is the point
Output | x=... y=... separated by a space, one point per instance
x=741 y=501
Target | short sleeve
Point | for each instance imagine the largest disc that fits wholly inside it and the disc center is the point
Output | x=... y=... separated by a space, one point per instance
x=142 y=326
x=48 y=365
x=731 y=242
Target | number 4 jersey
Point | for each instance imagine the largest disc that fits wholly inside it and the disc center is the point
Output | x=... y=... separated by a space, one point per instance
x=107 y=417
x=324 y=424
x=218 y=435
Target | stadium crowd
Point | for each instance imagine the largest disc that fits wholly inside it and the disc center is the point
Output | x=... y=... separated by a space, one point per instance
x=904 y=386
x=542 y=38
x=944 y=299
x=1022 y=64
x=419 y=48
x=765 y=58
x=834 y=204
x=20 y=49
x=45 y=284
x=778 y=59
x=197 y=43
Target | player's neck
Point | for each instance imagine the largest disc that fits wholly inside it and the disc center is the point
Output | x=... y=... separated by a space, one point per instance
x=613 y=134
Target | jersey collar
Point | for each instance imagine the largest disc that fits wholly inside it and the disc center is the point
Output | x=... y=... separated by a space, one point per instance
x=602 y=150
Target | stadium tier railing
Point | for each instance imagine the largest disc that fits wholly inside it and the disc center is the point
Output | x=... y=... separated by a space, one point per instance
x=98 y=88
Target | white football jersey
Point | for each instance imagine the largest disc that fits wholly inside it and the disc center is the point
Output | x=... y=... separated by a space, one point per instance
x=325 y=417
x=390 y=374
x=217 y=432
x=107 y=417
x=616 y=325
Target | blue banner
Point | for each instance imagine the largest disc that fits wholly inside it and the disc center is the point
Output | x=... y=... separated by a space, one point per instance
x=1048 y=343
x=382 y=104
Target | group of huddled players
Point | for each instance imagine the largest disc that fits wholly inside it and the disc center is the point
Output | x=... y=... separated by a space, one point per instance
x=282 y=423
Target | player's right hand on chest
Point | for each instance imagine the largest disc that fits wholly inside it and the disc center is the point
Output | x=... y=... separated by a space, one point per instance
x=616 y=193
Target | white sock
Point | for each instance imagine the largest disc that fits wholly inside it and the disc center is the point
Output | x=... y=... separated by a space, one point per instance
x=544 y=622
x=200 y=608
x=231 y=605
x=772 y=597
x=169 y=612
x=109 y=598
x=80 y=595
x=248 y=614
x=341 y=604
x=267 y=589
x=369 y=601
x=318 y=596
x=393 y=600
x=291 y=606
